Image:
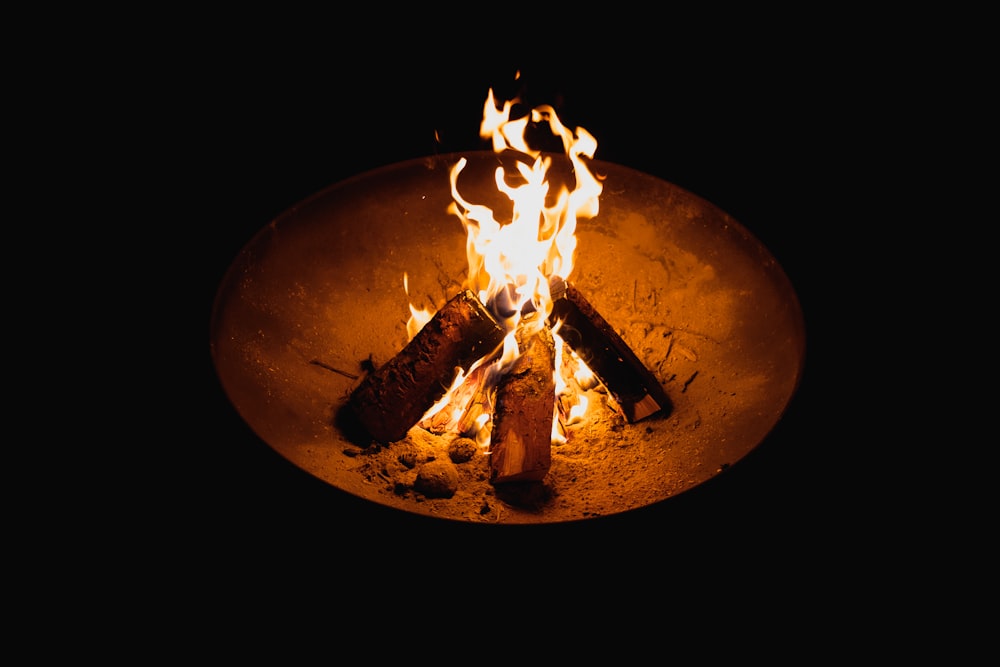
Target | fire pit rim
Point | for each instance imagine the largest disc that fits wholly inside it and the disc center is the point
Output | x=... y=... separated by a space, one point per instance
x=728 y=228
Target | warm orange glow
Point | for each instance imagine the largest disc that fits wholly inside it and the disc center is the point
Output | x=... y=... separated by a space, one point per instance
x=539 y=241
x=418 y=316
x=511 y=261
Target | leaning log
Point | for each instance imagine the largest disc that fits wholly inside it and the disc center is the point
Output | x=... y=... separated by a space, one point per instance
x=521 y=438
x=633 y=387
x=392 y=399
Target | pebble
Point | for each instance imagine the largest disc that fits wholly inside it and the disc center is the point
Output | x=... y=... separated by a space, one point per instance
x=437 y=479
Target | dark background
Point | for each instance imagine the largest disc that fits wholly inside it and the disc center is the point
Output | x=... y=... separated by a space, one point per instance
x=749 y=131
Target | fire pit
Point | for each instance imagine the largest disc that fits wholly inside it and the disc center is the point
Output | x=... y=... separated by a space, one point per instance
x=315 y=303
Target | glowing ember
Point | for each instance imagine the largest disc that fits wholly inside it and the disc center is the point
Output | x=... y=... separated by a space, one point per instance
x=511 y=263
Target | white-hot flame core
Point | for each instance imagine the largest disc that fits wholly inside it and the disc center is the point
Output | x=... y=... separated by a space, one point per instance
x=539 y=241
x=510 y=263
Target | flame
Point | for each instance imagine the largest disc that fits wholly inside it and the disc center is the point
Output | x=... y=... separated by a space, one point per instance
x=418 y=316
x=571 y=404
x=510 y=262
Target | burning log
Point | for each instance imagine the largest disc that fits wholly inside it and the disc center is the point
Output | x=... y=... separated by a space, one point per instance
x=636 y=390
x=391 y=400
x=521 y=439
x=466 y=405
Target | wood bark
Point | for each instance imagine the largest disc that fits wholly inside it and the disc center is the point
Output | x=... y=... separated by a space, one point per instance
x=521 y=438
x=633 y=387
x=391 y=400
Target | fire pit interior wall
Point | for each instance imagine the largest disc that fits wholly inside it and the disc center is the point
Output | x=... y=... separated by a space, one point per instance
x=316 y=300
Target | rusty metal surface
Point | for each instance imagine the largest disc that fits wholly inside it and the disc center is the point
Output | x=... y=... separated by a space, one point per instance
x=698 y=298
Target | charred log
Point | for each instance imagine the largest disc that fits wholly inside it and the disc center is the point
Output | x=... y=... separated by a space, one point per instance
x=391 y=400
x=633 y=387
x=521 y=439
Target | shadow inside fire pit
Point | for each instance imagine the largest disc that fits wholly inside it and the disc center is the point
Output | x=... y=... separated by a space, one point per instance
x=346 y=421
x=531 y=496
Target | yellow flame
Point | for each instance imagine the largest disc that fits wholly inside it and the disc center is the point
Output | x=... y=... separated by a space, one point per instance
x=510 y=263
x=446 y=398
x=418 y=316
x=576 y=400
x=539 y=241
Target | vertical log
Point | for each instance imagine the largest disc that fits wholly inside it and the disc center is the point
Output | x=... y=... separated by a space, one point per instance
x=392 y=400
x=521 y=439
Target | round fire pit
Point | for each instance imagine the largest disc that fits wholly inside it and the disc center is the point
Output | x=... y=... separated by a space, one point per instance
x=315 y=301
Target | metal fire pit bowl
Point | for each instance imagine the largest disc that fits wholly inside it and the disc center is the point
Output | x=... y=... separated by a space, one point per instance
x=319 y=292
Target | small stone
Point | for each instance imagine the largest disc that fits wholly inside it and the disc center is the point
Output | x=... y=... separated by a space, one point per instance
x=437 y=479
x=462 y=449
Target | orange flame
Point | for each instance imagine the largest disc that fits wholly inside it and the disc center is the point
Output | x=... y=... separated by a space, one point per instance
x=539 y=241
x=418 y=316
x=510 y=263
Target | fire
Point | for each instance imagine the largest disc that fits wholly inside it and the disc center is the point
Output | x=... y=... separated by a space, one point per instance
x=519 y=256
x=511 y=262
x=418 y=316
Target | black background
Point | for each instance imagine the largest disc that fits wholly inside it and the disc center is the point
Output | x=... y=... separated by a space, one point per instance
x=748 y=129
